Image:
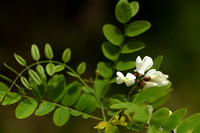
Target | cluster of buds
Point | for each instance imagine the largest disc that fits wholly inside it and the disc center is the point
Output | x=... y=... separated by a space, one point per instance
x=142 y=76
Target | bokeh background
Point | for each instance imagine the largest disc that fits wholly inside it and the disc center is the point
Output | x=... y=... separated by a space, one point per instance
x=175 y=33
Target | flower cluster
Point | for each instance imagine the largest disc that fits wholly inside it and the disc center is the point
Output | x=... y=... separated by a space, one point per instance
x=149 y=79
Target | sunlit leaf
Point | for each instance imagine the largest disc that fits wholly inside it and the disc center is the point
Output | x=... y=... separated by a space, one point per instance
x=137 y=27
x=11 y=98
x=134 y=127
x=113 y=34
x=104 y=70
x=132 y=46
x=59 y=68
x=50 y=69
x=157 y=62
x=111 y=128
x=44 y=108
x=123 y=65
x=20 y=60
x=101 y=87
x=75 y=113
x=123 y=11
x=72 y=93
x=61 y=116
x=134 y=8
x=110 y=51
x=35 y=52
x=34 y=76
x=38 y=90
x=25 y=83
x=40 y=70
x=48 y=51
x=25 y=108
x=66 y=56
x=81 y=68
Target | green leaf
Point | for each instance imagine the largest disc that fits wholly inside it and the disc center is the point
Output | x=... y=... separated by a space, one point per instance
x=48 y=51
x=101 y=87
x=134 y=8
x=3 y=90
x=75 y=113
x=174 y=119
x=25 y=108
x=55 y=87
x=113 y=34
x=153 y=129
x=159 y=117
x=141 y=114
x=44 y=108
x=134 y=127
x=72 y=93
x=11 y=98
x=34 y=76
x=111 y=128
x=25 y=83
x=123 y=65
x=137 y=27
x=120 y=105
x=40 y=70
x=111 y=52
x=66 y=56
x=38 y=90
x=59 y=68
x=50 y=69
x=81 y=68
x=61 y=116
x=20 y=60
x=132 y=47
x=35 y=52
x=157 y=62
x=86 y=102
x=189 y=124
x=71 y=74
x=123 y=11
x=104 y=70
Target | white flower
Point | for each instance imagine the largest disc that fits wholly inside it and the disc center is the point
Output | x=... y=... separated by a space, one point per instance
x=143 y=65
x=157 y=78
x=129 y=79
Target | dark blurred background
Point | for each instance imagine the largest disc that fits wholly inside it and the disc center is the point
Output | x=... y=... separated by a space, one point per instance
x=175 y=33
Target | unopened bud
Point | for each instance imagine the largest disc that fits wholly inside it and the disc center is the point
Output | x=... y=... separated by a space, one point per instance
x=147 y=78
x=137 y=74
x=142 y=83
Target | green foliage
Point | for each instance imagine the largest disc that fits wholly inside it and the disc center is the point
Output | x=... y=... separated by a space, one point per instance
x=134 y=127
x=50 y=69
x=35 y=52
x=66 y=56
x=48 y=51
x=61 y=116
x=137 y=27
x=20 y=60
x=104 y=70
x=123 y=11
x=111 y=128
x=34 y=76
x=125 y=64
x=110 y=51
x=81 y=68
x=11 y=98
x=25 y=83
x=38 y=90
x=26 y=108
x=134 y=7
x=101 y=87
x=44 y=108
x=157 y=62
x=113 y=34
x=132 y=46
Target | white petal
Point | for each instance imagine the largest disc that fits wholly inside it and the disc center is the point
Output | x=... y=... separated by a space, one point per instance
x=148 y=62
x=143 y=65
x=130 y=76
x=150 y=84
x=129 y=82
x=163 y=82
x=150 y=73
x=119 y=80
x=119 y=74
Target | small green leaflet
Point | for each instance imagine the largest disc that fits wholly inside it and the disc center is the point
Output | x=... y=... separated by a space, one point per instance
x=61 y=116
x=111 y=128
x=48 y=51
x=25 y=83
x=20 y=60
x=104 y=70
x=132 y=47
x=44 y=108
x=36 y=78
x=81 y=68
x=123 y=65
x=11 y=98
x=59 y=68
x=113 y=34
x=35 y=52
x=26 y=108
x=50 y=69
x=66 y=56
x=110 y=51
x=134 y=7
x=157 y=62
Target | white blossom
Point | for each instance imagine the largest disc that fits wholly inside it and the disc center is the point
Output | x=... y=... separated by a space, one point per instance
x=129 y=79
x=157 y=78
x=143 y=65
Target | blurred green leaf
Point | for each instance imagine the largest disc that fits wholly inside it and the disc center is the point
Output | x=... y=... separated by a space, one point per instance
x=35 y=52
x=157 y=62
x=123 y=11
x=159 y=117
x=174 y=119
x=141 y=114
x=55 y=87
x=120 y=105
x=123 y=65
x=132 y=46
x=137 y=27
x=40 y=70
x=72 y=93
x=101 y=87
x=61 y=116
x=66 y=56
x=104 y=70
x=3 y=89
x=34 y=76
x=71 y=74
x=75 y=113
x=113 y=34
x=134 y=127
x=44 y=108
x=11 y=98
x=25 y=83
x=111 y=128
x=48 y=51
x=189 y=124
x=153 y=129
x=59 y=68
x=50 y=69
x=81 y=68
x=25 y=108
x=134 y=8
x=38 y=90
x=111 y=52
x=20 y=60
